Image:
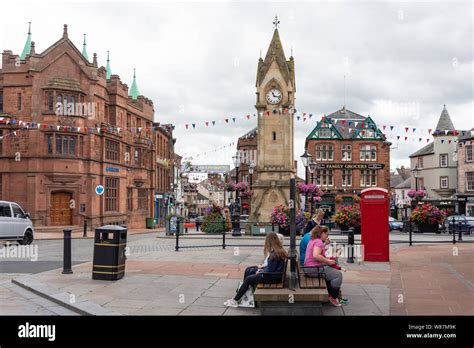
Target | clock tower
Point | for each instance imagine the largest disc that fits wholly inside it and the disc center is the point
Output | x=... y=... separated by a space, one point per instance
x=275 y=105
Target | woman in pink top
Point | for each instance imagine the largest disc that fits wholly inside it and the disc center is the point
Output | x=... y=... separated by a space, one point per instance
x=316 y=257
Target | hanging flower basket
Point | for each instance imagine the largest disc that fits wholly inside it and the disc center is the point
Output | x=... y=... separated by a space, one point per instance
x=281 y=216
x=246 y=194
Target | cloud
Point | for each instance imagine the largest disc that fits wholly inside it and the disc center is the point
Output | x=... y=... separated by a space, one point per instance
x=197 y=60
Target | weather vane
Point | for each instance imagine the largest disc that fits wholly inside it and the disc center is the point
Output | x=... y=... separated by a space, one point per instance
x=276 y=22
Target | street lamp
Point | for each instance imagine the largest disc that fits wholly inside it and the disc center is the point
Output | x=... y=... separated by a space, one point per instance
x=312 y=167
x=305 y=158
x=251 y=169
x=236 y=230
x=416 y=173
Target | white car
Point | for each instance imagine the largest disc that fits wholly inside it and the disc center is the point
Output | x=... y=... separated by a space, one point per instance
x=15 y=224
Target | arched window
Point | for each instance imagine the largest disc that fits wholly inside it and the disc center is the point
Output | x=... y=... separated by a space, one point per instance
x=274 y=136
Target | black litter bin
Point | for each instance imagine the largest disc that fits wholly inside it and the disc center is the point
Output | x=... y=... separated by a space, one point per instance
x=109 y=252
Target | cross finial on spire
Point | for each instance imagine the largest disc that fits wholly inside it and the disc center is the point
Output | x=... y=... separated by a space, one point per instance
x=276 y=22
x=29 y=27
x=134 y=73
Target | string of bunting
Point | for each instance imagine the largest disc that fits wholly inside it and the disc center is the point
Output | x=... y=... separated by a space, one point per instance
x=412 y=133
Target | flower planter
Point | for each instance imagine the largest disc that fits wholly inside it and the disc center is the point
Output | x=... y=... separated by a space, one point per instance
x=425 y=227
x=343 y=227
x=263 y=230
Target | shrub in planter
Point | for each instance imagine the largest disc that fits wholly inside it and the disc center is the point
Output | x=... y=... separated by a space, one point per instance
x=348 y=216
x=427 y=217
x=213 y=221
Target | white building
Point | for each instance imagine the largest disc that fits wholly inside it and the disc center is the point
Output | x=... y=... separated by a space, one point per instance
x=437 y=166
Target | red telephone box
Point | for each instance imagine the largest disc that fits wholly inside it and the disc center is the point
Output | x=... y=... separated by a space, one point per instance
x=374 y=212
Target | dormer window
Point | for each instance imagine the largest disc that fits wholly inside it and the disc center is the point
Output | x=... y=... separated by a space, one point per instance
x=325 y=133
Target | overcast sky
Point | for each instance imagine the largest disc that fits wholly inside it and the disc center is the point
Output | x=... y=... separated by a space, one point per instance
x=197 y=60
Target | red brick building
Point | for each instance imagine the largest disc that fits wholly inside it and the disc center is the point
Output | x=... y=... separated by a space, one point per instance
x=67 y=126
x=351 y=154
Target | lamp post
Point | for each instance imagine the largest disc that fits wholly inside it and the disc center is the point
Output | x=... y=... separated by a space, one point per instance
x=305 y=159
x=312 y=167
x=236 y=230
x=251 y=169
x=416 y=173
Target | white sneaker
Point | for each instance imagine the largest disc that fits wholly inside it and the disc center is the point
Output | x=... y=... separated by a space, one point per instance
x=231 y=303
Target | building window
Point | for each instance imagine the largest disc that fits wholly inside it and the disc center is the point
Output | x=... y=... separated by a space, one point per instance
x=49 y=143
x=128 y=153
x=50 y=103
x=274 y=136
x=143 y=199
x=470 y=181
x=138 y=157
x=325 y=177
x=444 y=182
x=324 y=133
x=368 y=178
x=346 y=177
x=111 y=194
x=1 y=101
x=443 y=160
x=325 y=152
x=65 y=145
x=1 y=142
x=468 y=153
x=420 y=162
x=368 y=152
x=346 y=152
x=129 y=199
x=112 y=150
x=19 y=101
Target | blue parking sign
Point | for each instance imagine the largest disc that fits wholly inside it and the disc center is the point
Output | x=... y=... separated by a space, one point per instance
x=99 y=189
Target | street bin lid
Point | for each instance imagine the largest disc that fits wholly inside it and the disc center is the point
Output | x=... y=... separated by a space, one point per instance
x=111 y=228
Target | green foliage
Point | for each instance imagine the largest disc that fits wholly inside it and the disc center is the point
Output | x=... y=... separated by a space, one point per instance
x=213 y=223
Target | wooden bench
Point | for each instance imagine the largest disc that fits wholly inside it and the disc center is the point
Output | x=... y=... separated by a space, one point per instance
x=307 y=282
x=276 y=285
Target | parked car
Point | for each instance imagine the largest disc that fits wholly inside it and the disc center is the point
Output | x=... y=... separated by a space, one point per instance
x=243 y=221
x=466 y=221
x=394 y=225
x=15 y=224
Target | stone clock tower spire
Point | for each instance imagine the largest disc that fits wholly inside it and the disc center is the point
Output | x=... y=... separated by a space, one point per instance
x=275 y=87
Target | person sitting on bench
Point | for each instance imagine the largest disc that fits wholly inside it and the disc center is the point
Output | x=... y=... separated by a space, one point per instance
x=316 y=257
x=272 y=273
x=317 y=220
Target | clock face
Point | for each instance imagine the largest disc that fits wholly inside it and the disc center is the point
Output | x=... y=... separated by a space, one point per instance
x=274 y=96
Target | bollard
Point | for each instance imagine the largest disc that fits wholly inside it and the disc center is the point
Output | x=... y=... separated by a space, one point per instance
x=177 y=236
x=461 y=227
x=350 y=245
x=410 y=230
x=85 y=228
x=454 y=230
x=67 y=251
x=223 y=234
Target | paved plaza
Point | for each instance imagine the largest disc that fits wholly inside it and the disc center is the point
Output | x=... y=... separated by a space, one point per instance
x=431 y=279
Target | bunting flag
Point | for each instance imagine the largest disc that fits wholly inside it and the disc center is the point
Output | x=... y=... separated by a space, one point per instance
x=213 y=123
x=406 y=129
x=414 y=129
x=398 y=137
x=207 y=123
x=194 y=125
x=226 y=120
x=248 y=117
x=187 y=125
x=391 y=128
x=384 y=127
x=233 y=119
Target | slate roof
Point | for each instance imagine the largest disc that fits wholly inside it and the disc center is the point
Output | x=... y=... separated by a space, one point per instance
x=426 y=150
x=444 y=122
x=404 y=184
x=395 y=180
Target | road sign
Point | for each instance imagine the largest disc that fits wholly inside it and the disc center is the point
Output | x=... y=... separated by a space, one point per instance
x=99 y=189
